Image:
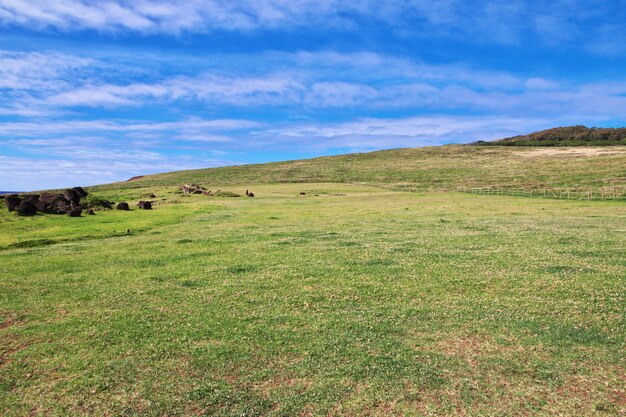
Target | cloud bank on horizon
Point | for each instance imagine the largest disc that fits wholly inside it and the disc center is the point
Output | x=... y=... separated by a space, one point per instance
x=99 y=91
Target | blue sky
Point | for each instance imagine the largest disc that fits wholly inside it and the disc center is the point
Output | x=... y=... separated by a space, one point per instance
x=99 y=91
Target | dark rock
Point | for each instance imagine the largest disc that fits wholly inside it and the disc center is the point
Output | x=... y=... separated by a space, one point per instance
x=41 y=206
x=123 y=206
x=150 y=195
x=192 y=189
x=51 y=198
x=80 y=191
x=146 y=205
x=302 y=193
x=91 y=212
x=72 y=196
x=60 y=207
x=75 y=212
x=26 y=208
x=12 y=201
x=30 y=197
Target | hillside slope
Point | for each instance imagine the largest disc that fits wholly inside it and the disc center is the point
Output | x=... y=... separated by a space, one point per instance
x=436 y=168
x=565 y=136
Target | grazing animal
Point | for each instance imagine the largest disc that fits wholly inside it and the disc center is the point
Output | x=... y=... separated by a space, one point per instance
x=249 y=194
x=123 y=206
x=302 y=193
x=91 y=212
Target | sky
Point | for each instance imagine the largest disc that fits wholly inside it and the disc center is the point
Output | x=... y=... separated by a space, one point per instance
x=99 y=91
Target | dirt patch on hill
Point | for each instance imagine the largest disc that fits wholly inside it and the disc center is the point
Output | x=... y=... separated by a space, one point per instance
x=538 y=152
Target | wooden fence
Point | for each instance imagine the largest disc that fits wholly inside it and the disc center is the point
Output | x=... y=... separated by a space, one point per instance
x=607 y=194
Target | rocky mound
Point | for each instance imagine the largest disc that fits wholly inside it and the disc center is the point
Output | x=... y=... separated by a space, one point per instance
x=565 y=136
x=71 y=202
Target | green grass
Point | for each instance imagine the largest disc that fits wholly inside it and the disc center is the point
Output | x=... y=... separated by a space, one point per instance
x=433 y=168
x=372 y=302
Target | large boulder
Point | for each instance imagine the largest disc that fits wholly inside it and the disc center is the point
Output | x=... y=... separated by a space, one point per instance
x=60 y=207
x=26 y=208
x=192 y=189
x=75 y=212
x=146 y=205
x=50 y=197
x=30 y=197
x=79 y=190
x=123 y=206
x=72 y=196
x=12 y=201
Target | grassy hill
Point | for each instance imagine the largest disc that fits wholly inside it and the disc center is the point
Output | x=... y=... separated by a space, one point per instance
x=566 y=136
x=351 y=300
x=434 y=168
x=355 y=299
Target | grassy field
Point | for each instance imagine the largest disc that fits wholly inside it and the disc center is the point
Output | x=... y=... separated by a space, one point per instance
x=442 y=168
x=351 y=300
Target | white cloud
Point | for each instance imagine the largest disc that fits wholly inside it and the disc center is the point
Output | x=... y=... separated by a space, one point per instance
x=492 y=21
x=26 y=174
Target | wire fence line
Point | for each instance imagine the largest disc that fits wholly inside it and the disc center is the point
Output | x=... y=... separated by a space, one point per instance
x=591 y=194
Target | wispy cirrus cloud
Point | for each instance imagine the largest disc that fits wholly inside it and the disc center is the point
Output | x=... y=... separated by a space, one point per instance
x=154 y=85
x=312 y=80
x=488 y=21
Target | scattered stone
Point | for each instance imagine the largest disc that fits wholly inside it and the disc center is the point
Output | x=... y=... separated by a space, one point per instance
x=72 y=196
x=30 y=197
x=123 y=206
x=79 y=190
x=12 y=201
x=26 y=208
x=220 y=193
x=150 y=195
x=192 y=189
x=49 y=203
x=302 y=193
x=75 y=212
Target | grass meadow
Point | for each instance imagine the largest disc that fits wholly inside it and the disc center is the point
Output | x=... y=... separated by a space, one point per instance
x=350 y=300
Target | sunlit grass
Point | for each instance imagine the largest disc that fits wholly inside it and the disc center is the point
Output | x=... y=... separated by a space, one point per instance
x=349 y=300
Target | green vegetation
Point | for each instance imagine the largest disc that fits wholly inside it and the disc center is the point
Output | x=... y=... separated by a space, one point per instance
x=566 y=136
x=434 y=168
x=350 y=300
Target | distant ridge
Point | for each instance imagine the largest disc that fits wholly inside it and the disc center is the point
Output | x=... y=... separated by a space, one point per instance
x=565 y=136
